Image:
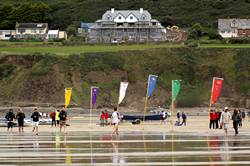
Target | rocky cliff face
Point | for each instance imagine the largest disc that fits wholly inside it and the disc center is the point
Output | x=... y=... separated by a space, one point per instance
x=41 y=79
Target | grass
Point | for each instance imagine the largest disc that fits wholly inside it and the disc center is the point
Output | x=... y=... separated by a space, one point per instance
x=21 y=48
x=65 y=50
x=224 y=46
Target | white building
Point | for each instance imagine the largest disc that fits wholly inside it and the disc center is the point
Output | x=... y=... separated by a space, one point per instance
x=6 y=34
x=126 y=26
x=229 y=28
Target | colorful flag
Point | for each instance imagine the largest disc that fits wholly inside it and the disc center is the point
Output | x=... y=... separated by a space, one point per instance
x=68 y=92
x=122 y=92
x=94 y=92
x=217 y=84
x=151 y=84
x=176 y=86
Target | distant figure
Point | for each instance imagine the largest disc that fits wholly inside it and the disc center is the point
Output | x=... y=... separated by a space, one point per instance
x=10 y=116
x=52 y=115
x=236 y=119
x=212 y=119
x=219 y=120
x=217 y=116
x=184 y=119
x=63 y=119
x=102 y=118
x=225 y=118
x=115 y=119
x=106 y=117
x=35 y=121
x=178 y=118
x=57 y=117
x=163 y=117
x=240 y=120
x=20 y=116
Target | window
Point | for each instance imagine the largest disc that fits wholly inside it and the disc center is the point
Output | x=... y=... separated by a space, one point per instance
x=153 y=23
x=119 y=24
x=119 y=17
x=131 y=17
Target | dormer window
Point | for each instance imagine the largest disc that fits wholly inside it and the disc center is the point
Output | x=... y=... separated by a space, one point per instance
x=131 y=17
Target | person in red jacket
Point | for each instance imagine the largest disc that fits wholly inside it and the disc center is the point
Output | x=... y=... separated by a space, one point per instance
x=106 y=117
x=102 y=118
x=212 y=119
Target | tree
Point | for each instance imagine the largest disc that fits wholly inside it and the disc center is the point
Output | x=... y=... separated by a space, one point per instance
x=196 y=31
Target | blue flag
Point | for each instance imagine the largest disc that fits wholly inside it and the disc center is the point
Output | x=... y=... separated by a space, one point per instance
x=151 y=84
x=94 y=92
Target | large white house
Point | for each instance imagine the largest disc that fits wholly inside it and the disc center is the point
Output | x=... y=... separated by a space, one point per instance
x=229 y=28
x=117 y=26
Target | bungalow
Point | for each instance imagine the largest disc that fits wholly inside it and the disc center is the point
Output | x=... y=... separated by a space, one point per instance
x=31 y=31
x=229 y=28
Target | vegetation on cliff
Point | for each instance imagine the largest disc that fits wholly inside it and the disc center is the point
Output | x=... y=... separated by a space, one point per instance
x=42 y=77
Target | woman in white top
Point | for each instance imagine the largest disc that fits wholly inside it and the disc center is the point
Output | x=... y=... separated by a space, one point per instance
x=225 y=119
x=115 y=119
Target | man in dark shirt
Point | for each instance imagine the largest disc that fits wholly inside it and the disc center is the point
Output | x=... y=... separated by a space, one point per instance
x=10 y=117
x=35 y=120
x=20 y=118
x=63 y=118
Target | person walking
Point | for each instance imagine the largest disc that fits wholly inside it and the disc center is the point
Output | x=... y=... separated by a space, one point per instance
x=163 y=117
x=57 y=118
x=216 y=122
x=35 y=121
x=225 y=118
x=20 y=116
x=178 y=115
x=63 y=119
x=184 y=119
x=236 y=120
x=212 y=119
x=240 y=120
x=10 y=116
x=52 y=115
x=115 y=119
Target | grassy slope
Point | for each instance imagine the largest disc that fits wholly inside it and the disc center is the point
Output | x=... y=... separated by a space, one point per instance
x=56 y=48
x=46 y=75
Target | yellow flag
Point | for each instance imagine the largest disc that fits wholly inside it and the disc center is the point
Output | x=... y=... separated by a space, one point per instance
x=68 y=92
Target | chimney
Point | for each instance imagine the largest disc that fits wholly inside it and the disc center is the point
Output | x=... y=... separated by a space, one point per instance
x=141 y=10
x=112 y=10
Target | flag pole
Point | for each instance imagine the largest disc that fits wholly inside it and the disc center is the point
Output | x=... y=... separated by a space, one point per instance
x=90 y=107
x=172 y=115
x=146 y=102
x=172 y=109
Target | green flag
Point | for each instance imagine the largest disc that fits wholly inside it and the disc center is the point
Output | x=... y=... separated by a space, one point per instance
x=176 y=86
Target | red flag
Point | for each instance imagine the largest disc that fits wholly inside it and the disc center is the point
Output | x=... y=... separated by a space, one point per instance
x=217 y=84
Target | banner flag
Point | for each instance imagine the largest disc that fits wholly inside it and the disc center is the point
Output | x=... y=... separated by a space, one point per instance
x=216 y=88
x=151 y=84
x=94 y=93
x=176 y=86
x=122 y=92
x=68 y=93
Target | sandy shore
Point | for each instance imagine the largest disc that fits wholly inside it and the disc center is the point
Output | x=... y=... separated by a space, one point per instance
x=195 y=124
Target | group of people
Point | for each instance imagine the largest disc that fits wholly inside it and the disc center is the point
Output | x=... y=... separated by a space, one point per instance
x=225 y=117
x=58 y=118
x=182 y=115
x=104 y=118
x=112 y=120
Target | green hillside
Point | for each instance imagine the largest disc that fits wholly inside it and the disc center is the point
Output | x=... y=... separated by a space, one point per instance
x=41 y=78
x=62 y=13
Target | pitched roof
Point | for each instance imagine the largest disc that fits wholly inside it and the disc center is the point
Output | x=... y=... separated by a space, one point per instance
x=32 y=25
x=125 y=13
x=229 y=24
